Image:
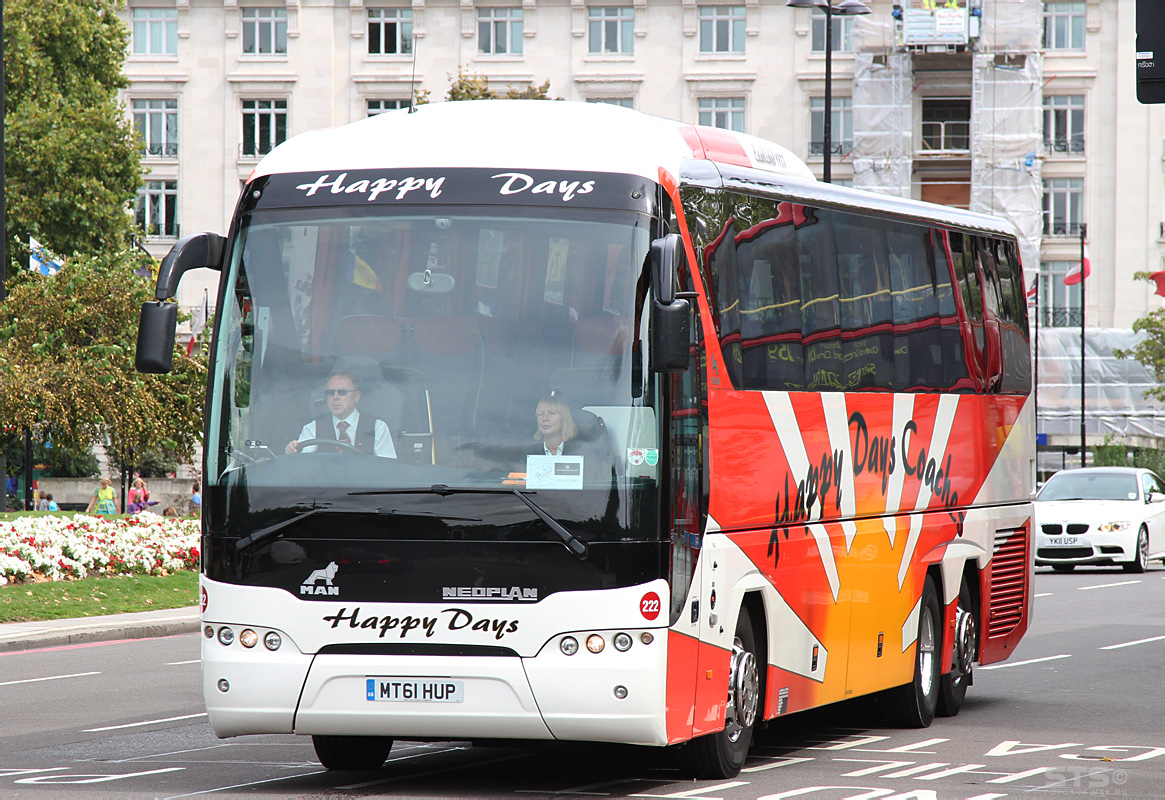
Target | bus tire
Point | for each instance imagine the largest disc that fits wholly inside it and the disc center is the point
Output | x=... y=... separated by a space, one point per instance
x=352 y=752
x=913 y=704
x=953 y=685
x=721 y=755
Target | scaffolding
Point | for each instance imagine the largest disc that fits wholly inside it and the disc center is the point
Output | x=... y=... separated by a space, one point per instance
x=882 y=109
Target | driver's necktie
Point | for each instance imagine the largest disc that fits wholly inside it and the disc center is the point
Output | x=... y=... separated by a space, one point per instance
x=342 y=429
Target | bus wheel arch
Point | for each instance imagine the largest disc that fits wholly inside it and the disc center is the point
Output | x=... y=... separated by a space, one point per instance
x=722 y=754
x=965 y=645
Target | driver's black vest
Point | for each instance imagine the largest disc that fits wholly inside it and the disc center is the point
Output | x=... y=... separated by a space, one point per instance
x=364 y=440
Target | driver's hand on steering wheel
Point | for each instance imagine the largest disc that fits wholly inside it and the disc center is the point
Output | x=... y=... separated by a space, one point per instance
x=292 y=447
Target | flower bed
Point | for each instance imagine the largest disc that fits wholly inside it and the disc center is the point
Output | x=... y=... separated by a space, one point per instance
x=64 y=547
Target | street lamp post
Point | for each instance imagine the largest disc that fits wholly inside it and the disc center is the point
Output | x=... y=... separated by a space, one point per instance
x=846 y=8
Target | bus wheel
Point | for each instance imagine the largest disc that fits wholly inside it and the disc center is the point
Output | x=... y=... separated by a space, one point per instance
x=912 y=705
x=352 y=752
x=953 y=686
x=721 y=755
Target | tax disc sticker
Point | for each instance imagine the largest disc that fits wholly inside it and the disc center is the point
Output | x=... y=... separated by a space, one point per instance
x=652 y=457
x=635 y=456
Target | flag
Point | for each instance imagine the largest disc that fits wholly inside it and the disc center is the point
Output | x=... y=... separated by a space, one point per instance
x=198 y=321
x=1031 y=293
x=40 y=260
x=1080 y=271
x=1159 y=279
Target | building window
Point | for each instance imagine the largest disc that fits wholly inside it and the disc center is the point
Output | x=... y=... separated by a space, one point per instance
x=625 y=102
x=157 y=208
x=1064 y=26
x=722 y=112
x=1064 y=123
x=390 y=31
x=499 y=31
x=946 y=125
x=1059 y=304
x=155 y=31
x=264 y=125
x=611 y=30
x=157 y=122
x=1063 y=206
x=721 y=29
x=841 y=133
x=265 y=31
x=839 y=33
x=380 y=106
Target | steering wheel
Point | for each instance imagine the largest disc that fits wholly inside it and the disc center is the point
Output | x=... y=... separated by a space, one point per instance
x=350 y=448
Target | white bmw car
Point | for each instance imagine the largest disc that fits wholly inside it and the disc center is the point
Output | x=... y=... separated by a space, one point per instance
x=1100 y=516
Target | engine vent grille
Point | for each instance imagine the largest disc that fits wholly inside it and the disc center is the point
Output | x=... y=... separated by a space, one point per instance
x=1009 y=582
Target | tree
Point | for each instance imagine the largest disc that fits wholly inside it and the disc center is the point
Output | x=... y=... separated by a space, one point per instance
x=1151 y=350
x=475 y=86
x=58 y=461
x=67 y=347
x=72 y=159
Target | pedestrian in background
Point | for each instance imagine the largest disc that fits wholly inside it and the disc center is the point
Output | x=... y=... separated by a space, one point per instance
x=196 y=499
x=104 y=500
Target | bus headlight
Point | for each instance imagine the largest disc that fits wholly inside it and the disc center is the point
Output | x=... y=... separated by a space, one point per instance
x=595 y=643
x=272 y=640
x=226 y=635
x=248 y=638
x=568 y=645
x=622 y=642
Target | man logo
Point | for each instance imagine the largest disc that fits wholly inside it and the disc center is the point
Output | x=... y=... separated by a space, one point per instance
x=310 y=586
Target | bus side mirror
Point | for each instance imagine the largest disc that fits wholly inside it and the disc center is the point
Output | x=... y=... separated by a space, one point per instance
x=197 y=251
x=671 y=330
x=156 y=327
x=159 y=320
x=671 y=318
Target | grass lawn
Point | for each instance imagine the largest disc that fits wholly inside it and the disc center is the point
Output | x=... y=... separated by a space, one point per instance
x=94 y=597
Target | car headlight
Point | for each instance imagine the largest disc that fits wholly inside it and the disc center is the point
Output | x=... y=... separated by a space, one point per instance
x=1113 y=526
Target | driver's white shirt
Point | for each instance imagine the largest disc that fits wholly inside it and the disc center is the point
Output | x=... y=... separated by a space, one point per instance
x=381 y=446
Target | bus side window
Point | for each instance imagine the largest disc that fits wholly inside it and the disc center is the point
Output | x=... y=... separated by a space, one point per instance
x=820 y=295
x=971 y=294
x=1014 y=329
x=953 y=360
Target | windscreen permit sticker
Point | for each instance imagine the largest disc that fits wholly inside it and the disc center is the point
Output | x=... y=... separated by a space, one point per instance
x=554 y=472
x=639 y=455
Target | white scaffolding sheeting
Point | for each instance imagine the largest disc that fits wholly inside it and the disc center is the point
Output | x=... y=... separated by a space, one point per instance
x=882 y=108
x=1012 y=26
x=1005 y=143
x=1114 y=387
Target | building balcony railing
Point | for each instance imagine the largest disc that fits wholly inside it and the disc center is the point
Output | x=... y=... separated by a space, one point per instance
x=160 y=150
x=1061 y=228
x=1060 y=317
x=947 y=136
x=1073 y=145
x=817 y=148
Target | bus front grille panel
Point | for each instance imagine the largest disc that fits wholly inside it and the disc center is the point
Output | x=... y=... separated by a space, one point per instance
x=1008 y=582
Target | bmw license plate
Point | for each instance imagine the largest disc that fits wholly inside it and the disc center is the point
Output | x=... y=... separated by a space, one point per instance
x=415 y=690
x=1063 y=541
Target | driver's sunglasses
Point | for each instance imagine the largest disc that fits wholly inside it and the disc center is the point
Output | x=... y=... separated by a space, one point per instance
x=338 y=392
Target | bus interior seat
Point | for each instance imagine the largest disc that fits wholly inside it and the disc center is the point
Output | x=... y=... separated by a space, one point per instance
x=599 y=357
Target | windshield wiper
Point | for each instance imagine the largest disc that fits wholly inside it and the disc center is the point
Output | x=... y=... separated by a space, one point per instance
x=263 y=534
x=572 y=542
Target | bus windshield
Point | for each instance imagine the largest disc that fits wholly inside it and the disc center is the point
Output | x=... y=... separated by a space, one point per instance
x=371 y=350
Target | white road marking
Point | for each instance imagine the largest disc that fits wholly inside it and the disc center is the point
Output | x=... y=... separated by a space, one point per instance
x=179 y=663
x=139 y=724
x=778 y=761
x=1105 y=585
x=252 y=783
x=1044 y=594
x=50 y=678
x=1130 y=644
x=1024 y=663
x=699 y=793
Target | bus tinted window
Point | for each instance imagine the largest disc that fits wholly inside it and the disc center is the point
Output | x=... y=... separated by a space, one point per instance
x=814 y=299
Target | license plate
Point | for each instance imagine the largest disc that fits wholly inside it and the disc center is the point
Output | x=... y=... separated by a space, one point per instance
x=415 y=690
x=1063 y=541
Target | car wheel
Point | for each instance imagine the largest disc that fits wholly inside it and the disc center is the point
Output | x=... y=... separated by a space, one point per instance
x=721 y=755
x=1140 y=561
x=352 y=752
x=913 y=704
x=1063 y=567
x=953 y=685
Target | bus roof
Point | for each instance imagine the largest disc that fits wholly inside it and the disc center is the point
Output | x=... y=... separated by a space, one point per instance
x=530 y=134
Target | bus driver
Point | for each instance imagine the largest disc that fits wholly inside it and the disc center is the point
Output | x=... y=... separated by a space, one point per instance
x=345 y=424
